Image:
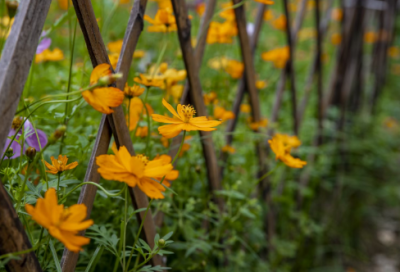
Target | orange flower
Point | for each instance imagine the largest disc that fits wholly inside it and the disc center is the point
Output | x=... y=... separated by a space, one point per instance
x=280 y=23
x=115 y=47
x=278 y=56
x=235 y=69
x=172 y=175
x=142 y=132
x=393 y=52
x=164 y=4
x=47 y=55
x=227 y=12
x=228 y=149
x=245 y=108
x=336 y=39
x=164 y=21
x=265 y=2
x=281 y=145
x=183 y=120
x=268 y=15
x=103 y=99
x=223 y=114
x=139 y=54
x=136 y=108
x=209 y=97
x=261 y=84
x=221 y=32
x=64 y=4
x=149 y=81
x=164 y=142
x=114 y=60
x=200 y=8
x=260 y=124
x=60 y=165
x=370 y=37
x=133 y=91
x=62 y=224
x=337 y=14
x=134 y=171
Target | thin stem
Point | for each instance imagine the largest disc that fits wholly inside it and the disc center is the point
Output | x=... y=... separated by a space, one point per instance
x=21 y=193
x=125 y=224
x=268 y=173
x=180 y=147
x=58 y=183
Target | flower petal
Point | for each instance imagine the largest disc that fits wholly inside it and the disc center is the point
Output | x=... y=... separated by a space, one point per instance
x=170 y=108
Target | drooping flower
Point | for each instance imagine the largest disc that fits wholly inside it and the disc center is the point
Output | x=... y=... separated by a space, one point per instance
x=135 y=110
x=164 y=21
x=48 y=55
x=134 y=171
x=149 y=80
x=103 y=99
x=62 y=223
x=209 y=98
x=133 y=91
x=278 y=56
x=223 y=114
x=115 y=47
x=172 y=175
x=281 y=145
x=183 y=120
x=60 y=165
x=113 y=57
x=30 y=137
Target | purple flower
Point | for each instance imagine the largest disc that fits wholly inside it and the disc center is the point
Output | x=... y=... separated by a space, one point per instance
x=29 y=137
x=43 y=45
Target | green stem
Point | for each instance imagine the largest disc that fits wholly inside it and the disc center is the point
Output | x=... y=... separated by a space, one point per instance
x=180 y=147
x=92 y=183
x=21 y=193
x=58 y=183
x=125 y=224
x=267 y=174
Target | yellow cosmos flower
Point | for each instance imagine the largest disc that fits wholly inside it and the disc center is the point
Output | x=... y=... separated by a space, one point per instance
x=149 y=81
x=62 y=224
x=227 y=12
x=164 y=21
x=133 y=91
x=245 y=108
x=48 y=55
x=221 y=32
x=268 y=15
x=280 y=23
x=336 y=38
x=200 y=8
x=139 y=54
x=103 y=99
x=393 y=52
x=63 y=4
x=370 y=37
x=278 y=56
x=134 y=171
x=164 y=142
x=223 y=114
x=265 y=2
x=281 y=145
x=260 y=124
x=228 y=149
x=261 y=84
x=337 y=14
x=235 y=69
x=115 y=47
x=135 y=110
x=142 y=132
x=183 y=120
x=209 y=98
x=60 y=165
x=114 y=59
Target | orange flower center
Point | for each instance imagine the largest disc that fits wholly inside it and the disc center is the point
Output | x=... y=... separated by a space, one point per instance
x=61 y=167
x=143 y=158
x=188 y=112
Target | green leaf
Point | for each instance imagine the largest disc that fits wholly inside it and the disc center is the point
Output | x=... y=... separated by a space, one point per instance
x=55 y=257
x=95 y=258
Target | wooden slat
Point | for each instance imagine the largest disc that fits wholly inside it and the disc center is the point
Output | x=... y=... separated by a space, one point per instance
x=196 y=96
x=15 y=63
x=116 y=121
x=290 y=68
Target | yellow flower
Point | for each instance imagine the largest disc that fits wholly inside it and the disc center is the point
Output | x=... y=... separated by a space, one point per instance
x=114 y=60
x=139 y=54
x=227 y=12
x=164 y=4
x=60 y=165
x=142 y=132
x=209 y=97
x=172 y=175
x=183 y=120
x=149 y=81
x=164 y=141
x=63 y=224
x=218 y=63
x=336 y=38
x=175 y=91
x=260 y=124
x=261 y=84
x=134 y=171
x=268 y=15
x=228 y=149
x=234 y=68
x=280 y=23
x=48 y=55
x=133 y=91
x=136 y=108
x=64 y=4
x=164 y=21
x=245 y=108
x=200 y=8
x=265 y=2
x=221 y=32
x=115 y=47
x=370 y=37
x=223 y=114
x=103 y=99
x=393 y=52
x=281 y=145
x=337 y=14
x=278 y=56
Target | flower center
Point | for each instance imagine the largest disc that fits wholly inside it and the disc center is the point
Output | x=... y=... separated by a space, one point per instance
x=61 y=167
x=143 y=158
x=188 y=112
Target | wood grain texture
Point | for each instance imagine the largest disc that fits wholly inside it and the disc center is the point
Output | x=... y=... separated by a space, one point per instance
x=15 y=63
x=13 y=237
x=196 y=96
x=115 y=122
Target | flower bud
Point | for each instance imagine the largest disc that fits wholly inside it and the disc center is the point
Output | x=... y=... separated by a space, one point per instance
x=58 y=133
x=12 y=7
x=161 y=243
x=9 y=152
x=107 y=80
x=16 y=123
x=30 y=152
